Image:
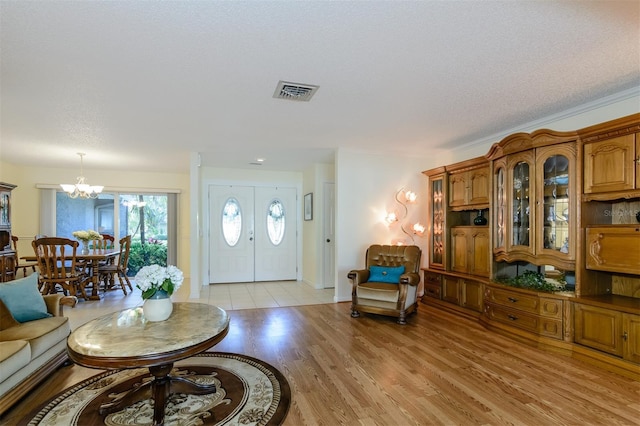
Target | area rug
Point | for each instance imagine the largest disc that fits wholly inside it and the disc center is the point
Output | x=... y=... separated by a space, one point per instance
x=249 y=392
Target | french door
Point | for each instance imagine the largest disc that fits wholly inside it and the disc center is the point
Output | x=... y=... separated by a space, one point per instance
x=253 y=233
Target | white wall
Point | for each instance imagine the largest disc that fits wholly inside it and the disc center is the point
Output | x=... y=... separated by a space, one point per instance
x=366 y=186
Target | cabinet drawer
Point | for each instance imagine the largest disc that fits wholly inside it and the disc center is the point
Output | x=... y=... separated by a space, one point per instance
x=547 y=307
x=432 y=291
x=431 y=278
x=532 y=323
x=614 y=248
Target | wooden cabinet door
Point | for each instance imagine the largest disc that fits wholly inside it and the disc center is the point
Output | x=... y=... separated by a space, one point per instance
x=631 y=337
x=480 y=252
x=598 y=328
x=451 y=290
x=610 y=165
x=460 y=249
x=471 y=295
x=478 y=186
x=458 y=187
x=637 y=161
x=614 y=248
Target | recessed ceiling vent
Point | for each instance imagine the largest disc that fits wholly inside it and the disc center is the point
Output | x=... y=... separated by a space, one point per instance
x=294 y=91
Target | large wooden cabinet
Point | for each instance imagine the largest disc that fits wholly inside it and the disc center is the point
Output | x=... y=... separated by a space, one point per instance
x=8 y=259
x=564 y=204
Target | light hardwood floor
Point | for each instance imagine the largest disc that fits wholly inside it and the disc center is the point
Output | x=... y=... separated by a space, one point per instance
x=438 y=369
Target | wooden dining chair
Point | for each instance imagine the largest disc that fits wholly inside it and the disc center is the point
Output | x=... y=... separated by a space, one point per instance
x=21 y=264
x=56 y=260
x=119 y=268
x=106 y=243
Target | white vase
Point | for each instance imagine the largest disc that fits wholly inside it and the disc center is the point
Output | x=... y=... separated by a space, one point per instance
x=158 y=307
x=85 y=247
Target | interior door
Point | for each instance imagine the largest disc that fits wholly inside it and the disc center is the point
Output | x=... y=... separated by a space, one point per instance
x=276 y=243
x=328 y=255
x=231 y=254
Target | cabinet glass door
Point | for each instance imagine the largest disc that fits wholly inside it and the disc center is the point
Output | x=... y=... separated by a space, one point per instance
x=520 y=205
x=437 y=246
x=556 y=219
x=500 y=206
x=555 y=204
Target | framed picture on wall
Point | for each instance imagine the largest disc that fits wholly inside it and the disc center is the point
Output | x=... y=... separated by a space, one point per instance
x=308 y=206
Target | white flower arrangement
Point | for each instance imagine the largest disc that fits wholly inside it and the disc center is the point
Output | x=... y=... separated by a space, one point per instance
x=87 y=235
x=152 y=278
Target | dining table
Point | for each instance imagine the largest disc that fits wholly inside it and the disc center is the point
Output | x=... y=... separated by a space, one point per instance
x=92 y=259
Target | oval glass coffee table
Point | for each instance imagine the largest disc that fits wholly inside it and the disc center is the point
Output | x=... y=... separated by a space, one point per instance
x=125 y=339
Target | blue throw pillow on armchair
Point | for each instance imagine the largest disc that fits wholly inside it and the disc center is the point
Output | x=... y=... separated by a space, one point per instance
x=385 y=274
x=23 y=299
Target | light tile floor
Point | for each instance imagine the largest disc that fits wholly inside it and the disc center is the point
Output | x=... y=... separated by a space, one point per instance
x=232 y=296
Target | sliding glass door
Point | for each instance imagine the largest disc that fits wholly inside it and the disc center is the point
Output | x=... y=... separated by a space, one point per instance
x=150 y=219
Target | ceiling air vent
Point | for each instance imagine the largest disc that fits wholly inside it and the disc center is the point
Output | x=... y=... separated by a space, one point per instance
x=294 y=91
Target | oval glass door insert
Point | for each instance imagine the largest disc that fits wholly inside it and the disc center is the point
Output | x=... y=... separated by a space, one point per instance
x=231 y=222
x=276 y=222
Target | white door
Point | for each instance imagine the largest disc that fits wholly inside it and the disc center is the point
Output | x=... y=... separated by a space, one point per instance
x=258 y=242
x=275 y=224
x=232 y=245
x=329 y=217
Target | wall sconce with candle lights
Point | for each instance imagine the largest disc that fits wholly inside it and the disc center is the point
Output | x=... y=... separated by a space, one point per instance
x=404 y=198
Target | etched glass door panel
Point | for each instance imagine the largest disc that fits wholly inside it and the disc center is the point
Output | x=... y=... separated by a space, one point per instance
x=231 y=221
x=436 y=259
x=276 y=222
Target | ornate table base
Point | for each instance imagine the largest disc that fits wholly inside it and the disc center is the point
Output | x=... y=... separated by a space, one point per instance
x=159 y=389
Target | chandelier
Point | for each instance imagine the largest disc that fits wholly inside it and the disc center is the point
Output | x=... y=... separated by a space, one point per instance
x=81 y=189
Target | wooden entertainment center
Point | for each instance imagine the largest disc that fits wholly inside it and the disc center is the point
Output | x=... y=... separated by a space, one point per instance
x=563 y=205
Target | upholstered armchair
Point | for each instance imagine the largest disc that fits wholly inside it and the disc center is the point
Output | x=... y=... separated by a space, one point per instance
x=389 y=283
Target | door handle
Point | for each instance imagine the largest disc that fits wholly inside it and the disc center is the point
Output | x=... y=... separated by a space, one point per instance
x=250 y=238
x=328 y=240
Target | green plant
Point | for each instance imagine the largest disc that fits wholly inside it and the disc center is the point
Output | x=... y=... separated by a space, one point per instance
x=146 y=254
x=530 y=280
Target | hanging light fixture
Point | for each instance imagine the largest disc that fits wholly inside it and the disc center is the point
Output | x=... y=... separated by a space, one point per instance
x=81 y=189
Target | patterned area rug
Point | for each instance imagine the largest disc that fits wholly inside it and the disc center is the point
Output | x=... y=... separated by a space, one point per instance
x=249 y=392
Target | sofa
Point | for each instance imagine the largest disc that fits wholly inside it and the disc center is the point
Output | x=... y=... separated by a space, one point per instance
x=389 y=282
x=33 y=337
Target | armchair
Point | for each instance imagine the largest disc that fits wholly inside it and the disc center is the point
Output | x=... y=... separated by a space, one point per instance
x=389 y=284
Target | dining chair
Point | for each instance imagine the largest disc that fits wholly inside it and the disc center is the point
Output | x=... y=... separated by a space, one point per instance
x=107 y=242
x=110 y=271
x=21 y=264
x=56 y=260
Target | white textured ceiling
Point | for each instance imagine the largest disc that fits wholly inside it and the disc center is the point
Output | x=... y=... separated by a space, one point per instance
x=140 y=84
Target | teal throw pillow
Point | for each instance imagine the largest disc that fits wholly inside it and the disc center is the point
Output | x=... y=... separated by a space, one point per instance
x=23 y=299
x=385 y=274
